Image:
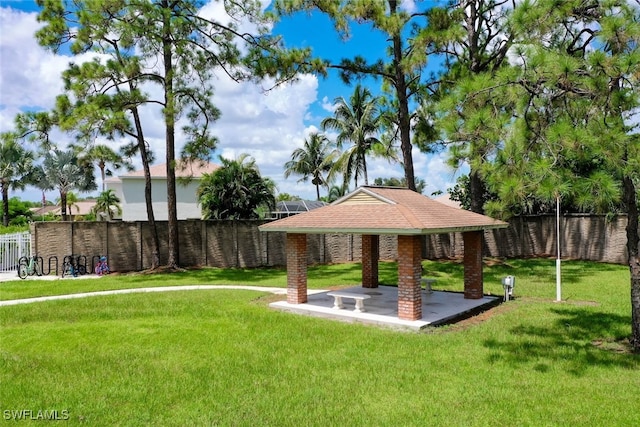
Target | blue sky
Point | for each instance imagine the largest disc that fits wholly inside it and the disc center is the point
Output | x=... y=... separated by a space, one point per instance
x=267 y=126
x=326 y=43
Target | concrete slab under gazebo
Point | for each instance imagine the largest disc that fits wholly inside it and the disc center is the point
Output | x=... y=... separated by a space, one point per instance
x=374 y=211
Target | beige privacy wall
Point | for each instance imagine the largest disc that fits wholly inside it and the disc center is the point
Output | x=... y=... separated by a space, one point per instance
x=240 y=244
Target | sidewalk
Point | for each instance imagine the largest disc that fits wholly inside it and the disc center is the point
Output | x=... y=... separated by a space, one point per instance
x=438 y=307
x=276 y=291
x=6 y=276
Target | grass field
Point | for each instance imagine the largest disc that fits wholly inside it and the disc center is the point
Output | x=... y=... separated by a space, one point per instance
x=224 y=358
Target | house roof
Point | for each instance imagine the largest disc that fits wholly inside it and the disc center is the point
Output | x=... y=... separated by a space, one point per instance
x=384 y=210
x=45 y=209
x=183 y=170
x=446 y=199
x=83 y=207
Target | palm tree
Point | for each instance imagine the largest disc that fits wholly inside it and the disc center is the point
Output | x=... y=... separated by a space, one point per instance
x=357 y=122
x=36 y=178
x=236 y=191
x=72 y=202
x=15 y=165
x=103 y=155
x=106 y=203
x=314 y=159
x=62 y=170
x=336 y=192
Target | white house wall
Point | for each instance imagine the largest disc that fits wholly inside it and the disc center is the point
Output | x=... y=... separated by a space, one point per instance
x=134 y=206
x=115 y=184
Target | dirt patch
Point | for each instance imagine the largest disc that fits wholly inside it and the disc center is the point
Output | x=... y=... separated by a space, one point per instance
x=477 y=318
x=269 y=298
x=158 y=270
x=569 y=302
x=491 y=262
x=486 y=261
x=474 y=318
x=620 y=346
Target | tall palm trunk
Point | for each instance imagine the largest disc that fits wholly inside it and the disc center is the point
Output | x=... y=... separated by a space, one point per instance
x=102 y=165
x=5 y=203
x=63 y=206
x=364 y=169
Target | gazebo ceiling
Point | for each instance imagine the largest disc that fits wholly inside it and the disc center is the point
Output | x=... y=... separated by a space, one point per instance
x=384 y=210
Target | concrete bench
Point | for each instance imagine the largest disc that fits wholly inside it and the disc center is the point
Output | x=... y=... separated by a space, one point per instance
x=359 y=298
x=427 y=282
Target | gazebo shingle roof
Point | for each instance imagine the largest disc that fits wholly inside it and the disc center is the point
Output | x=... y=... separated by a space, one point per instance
x=384 y=210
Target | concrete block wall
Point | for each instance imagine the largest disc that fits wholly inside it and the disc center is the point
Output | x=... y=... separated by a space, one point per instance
x=240 y=243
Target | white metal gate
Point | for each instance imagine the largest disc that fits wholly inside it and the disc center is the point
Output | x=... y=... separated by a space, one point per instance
x=12 y=247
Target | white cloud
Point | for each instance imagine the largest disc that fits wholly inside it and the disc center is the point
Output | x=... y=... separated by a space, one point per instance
x=266 y=125
x=29 y=76
x=432 y=168
x=327 y=105
x=437 y=174
x=216 y=10
x=632 y=119
x=409 y=6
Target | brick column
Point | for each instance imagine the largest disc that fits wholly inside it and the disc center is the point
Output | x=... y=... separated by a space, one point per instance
x=296 y=268
x=409 y=272
x=473 y=286
x=370 y=255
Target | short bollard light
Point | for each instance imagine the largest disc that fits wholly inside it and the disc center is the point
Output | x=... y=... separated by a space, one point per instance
x=508 y=283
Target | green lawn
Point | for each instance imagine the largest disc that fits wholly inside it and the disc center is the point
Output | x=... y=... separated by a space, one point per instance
x=224 y=358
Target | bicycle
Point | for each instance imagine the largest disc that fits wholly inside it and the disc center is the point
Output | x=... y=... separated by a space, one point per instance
x=71 y=267
x=102 y=267
x=29 y=267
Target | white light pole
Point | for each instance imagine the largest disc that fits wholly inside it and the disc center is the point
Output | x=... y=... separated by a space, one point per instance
x=558 y=261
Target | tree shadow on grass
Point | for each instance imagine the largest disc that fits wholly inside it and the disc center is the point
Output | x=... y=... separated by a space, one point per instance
x=449 y=271
x=568 y=342
x=540 y=269
x=544 y=269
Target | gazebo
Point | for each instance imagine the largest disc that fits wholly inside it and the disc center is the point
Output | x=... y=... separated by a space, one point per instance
x=373 y=211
